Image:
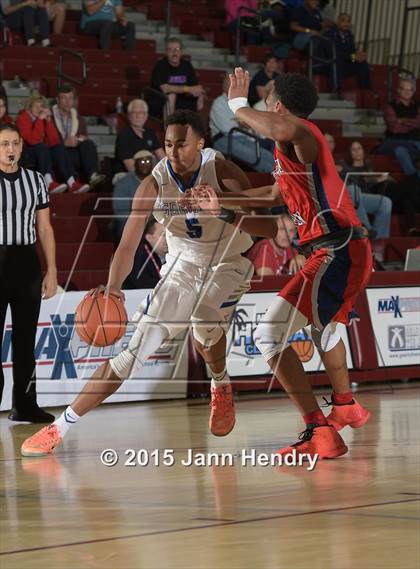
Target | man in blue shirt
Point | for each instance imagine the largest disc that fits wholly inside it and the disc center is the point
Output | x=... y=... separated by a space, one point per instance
x=98 y=19
x=306 y=22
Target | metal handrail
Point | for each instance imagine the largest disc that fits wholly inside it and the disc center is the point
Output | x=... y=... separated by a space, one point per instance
x=238 y=29
x=249 y=135
x=329 y=60
x=61 y=75
x=168 y=20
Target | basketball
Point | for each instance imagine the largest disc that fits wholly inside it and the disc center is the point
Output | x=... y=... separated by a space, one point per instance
x=100 y=321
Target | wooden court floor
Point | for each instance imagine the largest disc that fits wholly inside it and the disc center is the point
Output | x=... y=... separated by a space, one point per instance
x=357 y=512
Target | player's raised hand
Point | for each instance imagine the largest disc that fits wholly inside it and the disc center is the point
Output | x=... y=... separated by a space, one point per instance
x=239 y=83
x=206 y=198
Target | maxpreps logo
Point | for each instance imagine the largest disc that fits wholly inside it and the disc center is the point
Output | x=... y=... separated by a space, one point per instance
x=387 y=305
x=58 y=345
x=398 y=305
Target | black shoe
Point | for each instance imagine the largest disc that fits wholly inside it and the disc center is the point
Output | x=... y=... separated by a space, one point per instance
x=36 y=415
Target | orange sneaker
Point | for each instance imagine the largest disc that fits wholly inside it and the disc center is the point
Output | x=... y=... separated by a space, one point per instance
x=41 y=443
x=322 y=440
x=351 y=414
x=222 y=415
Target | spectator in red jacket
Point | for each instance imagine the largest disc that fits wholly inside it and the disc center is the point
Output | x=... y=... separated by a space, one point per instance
x=276 y=256
x=44 y=147
x=4 y=117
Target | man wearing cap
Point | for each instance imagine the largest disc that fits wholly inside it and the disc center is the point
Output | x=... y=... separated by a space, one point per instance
x=126 y=187
x=136 y=137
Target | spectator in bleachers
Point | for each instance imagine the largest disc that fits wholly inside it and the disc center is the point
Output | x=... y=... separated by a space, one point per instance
x=149 y=258
x=24 y=16
x=136 y=136
x=306 y=23
x=351 y=62
x=367 y=204
x=98 y=19
x=4 y=116
x=402 y=136
x=72 y=128
x=232 y=12
x=222 y=120
x=44 y=147
x=261 y=78
x=126 y=187
x=56 y=11
x=405 y=196
x=175 y=76
x=277 y=256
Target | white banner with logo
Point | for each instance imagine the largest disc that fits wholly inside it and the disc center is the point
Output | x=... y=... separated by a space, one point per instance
x=65 y=362
x=395 y=314
x=244 y=358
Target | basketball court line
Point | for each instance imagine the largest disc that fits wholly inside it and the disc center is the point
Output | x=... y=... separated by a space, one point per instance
x=206 y=526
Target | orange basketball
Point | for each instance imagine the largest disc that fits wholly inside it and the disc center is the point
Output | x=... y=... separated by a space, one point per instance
x=99 y=320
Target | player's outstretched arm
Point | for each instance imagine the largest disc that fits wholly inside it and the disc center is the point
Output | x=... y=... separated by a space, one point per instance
x=142 y=206
x=238 y=190
x=206 y=198
x=282 y=128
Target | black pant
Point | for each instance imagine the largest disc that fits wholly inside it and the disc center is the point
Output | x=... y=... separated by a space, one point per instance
x=360 y=70
x=26 y=19
x=106 y=30
x=42 y=157
x=20 y=287
x=84 y=158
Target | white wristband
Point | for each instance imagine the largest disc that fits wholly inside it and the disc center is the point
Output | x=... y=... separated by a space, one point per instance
x=237 y=103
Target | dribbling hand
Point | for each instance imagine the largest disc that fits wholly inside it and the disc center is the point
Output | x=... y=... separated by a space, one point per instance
x=108 y=290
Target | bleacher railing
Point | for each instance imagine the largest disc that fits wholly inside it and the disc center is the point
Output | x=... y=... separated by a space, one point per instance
x=63 y=76
x=244 y=14
x=315 y=59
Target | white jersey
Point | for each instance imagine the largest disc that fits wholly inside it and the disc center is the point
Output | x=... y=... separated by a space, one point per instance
x=195 y=237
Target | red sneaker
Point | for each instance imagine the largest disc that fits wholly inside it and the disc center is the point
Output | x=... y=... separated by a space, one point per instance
x=222 y=415
x=322 y=440
x=79 y=188
x=56 y=188
x=41 y=443
x=351 y=414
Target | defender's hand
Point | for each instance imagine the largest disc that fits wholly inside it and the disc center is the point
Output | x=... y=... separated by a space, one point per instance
x=206 y=198
x=239 y=83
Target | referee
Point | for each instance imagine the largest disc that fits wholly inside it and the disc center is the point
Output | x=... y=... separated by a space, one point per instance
x=24 y=207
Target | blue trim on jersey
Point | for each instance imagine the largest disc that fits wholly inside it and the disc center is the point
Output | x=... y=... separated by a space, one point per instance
x=229 y=303
x=181 y=186
x=333 y=285
x=323 y=200
x=147 y=304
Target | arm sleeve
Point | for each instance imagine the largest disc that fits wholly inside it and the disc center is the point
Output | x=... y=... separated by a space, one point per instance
x=191 y=75
x=43 y=199
x=158 y=77
x=53 y=137
x=122 y=148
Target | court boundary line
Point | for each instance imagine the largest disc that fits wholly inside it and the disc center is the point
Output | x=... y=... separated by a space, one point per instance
x=206 y=526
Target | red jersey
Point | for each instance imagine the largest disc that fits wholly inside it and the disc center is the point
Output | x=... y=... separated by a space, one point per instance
x=314 y=193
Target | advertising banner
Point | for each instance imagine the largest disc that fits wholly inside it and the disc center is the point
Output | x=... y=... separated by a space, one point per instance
x=395 y=314
x=64 y=362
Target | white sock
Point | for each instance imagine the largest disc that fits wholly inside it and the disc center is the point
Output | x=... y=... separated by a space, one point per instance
x=221 y=378
x=66 y=420
x=70 y=181
x=46 y=42
x=30 y=41
x=48 y=179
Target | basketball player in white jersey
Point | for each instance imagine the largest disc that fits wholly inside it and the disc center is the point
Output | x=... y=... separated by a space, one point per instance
x=204 y=277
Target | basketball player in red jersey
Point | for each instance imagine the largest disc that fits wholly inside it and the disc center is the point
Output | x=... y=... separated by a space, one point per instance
x=338 y=264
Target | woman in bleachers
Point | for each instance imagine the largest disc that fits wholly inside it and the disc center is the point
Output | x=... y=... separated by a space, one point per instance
x=377 y=206
x=44 y=147
x=405 y=195
x=4 y=116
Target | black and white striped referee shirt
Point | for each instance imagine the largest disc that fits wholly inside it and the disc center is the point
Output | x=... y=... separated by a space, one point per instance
x=21 y=194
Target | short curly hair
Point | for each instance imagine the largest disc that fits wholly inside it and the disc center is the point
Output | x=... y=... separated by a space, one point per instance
x=297 y=93
x=187 y=118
